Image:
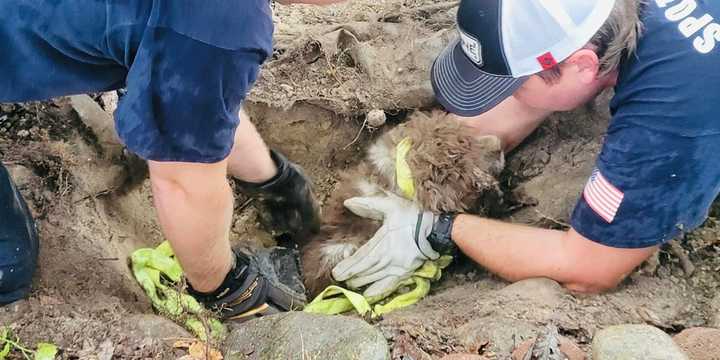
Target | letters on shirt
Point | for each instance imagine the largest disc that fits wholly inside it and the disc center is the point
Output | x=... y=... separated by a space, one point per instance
x=705 y=30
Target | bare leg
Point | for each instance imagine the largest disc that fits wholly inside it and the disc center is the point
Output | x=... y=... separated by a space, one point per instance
x=194 y=203
x=250 y=159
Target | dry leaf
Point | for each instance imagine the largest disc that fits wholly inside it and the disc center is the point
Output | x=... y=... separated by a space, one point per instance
x=197 y=350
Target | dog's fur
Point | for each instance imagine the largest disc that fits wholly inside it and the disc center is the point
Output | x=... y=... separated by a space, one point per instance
x=451 y=169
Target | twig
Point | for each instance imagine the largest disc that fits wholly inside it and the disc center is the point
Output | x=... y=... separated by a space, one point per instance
x=677 y=250
x=245 y=205
x=556 y=221
x=358 y=134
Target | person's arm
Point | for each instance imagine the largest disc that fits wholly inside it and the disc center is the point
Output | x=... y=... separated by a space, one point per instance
x=511 y=121
x=194 y=205
x=516 y=252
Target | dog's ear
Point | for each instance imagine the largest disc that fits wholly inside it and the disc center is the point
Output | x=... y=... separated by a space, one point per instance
x=494 y=156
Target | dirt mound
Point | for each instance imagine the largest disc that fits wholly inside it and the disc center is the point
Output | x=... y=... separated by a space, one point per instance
x=356 y=57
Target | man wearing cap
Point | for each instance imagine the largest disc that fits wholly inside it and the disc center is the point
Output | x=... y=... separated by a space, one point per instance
x=516 y=62
x=187 y=66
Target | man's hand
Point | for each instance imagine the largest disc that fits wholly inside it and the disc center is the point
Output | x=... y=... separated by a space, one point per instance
x=398 y=248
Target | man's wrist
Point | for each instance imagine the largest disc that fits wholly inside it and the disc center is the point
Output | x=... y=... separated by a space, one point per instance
x=440 y=237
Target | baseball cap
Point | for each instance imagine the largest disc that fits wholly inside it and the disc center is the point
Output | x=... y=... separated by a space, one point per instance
x=502 y=43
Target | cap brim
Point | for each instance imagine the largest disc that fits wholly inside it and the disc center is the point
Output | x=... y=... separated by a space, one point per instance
x=463 y=89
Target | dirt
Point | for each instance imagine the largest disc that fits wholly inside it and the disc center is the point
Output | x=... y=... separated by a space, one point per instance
x=331 y=66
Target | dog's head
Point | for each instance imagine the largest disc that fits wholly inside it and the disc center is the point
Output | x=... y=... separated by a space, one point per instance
x=451 y=169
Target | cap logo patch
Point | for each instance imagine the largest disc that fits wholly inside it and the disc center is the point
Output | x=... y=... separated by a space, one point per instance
x=471 y=47
x=547 y=60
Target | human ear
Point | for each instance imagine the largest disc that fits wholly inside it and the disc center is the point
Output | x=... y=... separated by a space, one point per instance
x=587 y=65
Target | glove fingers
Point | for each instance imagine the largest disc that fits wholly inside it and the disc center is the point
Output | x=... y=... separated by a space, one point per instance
x=372 y=207
x=362 y=260
x=383 y=287
x=371 y=275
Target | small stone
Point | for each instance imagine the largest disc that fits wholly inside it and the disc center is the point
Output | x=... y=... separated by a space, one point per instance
x=631 y=342
x=700 y=343
x=299 y=335
x=23 y=133
x=567 y=346
x=110 y=101
x=287 y=88
x=376 y=118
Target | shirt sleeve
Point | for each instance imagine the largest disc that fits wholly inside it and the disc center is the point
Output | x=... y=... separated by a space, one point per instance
x=648 y=187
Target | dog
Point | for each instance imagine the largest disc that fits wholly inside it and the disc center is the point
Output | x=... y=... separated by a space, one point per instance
x=452 y=171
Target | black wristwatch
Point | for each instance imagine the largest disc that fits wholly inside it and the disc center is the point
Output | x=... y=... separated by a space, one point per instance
x=440 y=237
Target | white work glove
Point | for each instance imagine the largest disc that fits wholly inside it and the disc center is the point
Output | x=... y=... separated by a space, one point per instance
x=395 y=251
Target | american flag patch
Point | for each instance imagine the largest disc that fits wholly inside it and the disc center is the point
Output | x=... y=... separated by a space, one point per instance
x=602 y=196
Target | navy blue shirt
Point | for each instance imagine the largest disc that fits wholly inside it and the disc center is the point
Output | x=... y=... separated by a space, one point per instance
x=187 y=65
x=659 y=169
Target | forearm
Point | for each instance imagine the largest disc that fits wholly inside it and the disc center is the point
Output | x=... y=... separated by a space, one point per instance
x=517 y=252
x=513 y=252
x=194 y=206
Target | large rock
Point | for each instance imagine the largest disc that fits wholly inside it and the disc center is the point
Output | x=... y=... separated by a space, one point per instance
x=298 y=335
x=700 y=343
x=635 y=342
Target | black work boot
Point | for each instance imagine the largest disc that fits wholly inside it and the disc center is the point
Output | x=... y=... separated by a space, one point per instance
x=263 y=283
x=18 y=242
x=289 y=204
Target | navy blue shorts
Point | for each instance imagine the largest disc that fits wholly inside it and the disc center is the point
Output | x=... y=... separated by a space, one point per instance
x=187 y=65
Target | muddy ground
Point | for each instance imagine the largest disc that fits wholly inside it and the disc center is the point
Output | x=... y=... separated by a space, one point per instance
x=331 y=66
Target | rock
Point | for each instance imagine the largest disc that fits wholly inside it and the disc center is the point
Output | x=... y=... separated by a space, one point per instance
x=298 y=335
x=630 y=342
x=498 y=332
x=100 y=122
x=154 y=327
x=540 y=291
x=464 y=357
x=700 y=343
x=376 y=118
x=567 y=346
x=405 y=348
x=110 y=100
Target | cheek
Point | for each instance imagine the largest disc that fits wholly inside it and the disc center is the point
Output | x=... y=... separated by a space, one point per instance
x=536 y=95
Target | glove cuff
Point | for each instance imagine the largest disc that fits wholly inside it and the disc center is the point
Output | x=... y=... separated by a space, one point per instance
x=440 y=237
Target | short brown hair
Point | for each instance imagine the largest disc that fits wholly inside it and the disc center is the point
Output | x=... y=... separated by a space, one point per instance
x=615 y=40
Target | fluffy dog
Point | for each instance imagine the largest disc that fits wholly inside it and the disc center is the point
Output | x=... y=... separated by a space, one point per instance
x=452 y=171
